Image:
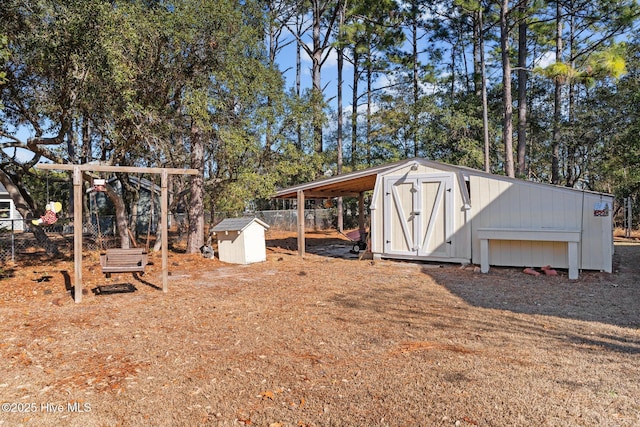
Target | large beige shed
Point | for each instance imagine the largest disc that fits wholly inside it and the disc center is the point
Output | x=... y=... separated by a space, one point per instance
x=241 y=240
x=425 y=210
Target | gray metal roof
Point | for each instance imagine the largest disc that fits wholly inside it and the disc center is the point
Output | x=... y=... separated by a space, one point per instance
x=237 y=224
x=353 y=183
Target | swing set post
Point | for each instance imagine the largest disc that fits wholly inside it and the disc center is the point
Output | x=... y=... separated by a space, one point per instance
x=77 y=235
x=164 y=208
x=77 y=212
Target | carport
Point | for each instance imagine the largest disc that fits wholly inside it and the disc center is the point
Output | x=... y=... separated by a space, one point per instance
x=431 y=211
x=352 y=184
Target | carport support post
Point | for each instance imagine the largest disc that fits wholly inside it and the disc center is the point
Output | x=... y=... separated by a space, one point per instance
x=300 y=222
x=361 y=214
x=77 y=234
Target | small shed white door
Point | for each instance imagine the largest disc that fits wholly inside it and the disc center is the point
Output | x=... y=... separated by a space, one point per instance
x=418 y=215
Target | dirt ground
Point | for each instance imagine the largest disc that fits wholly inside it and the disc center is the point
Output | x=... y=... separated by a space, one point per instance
x=321 y=341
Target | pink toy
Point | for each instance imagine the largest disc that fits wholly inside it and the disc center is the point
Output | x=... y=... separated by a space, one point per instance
x=50 y=216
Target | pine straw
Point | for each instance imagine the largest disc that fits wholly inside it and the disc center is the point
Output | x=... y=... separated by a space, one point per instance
x=322 y=341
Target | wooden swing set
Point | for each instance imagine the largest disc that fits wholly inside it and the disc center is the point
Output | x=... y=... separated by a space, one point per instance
x=77 y=211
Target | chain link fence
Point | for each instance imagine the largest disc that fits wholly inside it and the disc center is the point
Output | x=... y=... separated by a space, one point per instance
x=17 y=240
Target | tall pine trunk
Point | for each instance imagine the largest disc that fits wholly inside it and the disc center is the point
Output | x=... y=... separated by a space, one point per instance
x=522 y=91
x=507 y=98
x=369 y=102
x=339 y=130
x=557 y=103
x=298 y=75
x=485 y=103
x=316 y=60
x=572 y=174
x=354 y=111
x=416 y=86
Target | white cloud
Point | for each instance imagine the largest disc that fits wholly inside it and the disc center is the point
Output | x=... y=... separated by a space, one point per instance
x=544 y=60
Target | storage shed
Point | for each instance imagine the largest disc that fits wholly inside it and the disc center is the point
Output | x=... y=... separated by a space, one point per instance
x=241 y=240
x=431 y=211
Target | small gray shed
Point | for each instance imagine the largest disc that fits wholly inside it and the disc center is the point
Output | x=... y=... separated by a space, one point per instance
x=241 y=240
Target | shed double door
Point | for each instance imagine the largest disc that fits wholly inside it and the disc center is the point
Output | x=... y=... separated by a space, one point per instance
x=418 y=215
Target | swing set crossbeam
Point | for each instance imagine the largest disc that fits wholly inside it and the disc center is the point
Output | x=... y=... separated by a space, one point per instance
x=109 y=168
x=77 y=210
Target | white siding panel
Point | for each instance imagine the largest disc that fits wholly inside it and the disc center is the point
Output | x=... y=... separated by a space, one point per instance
x=461 y=227
x=230 y=247
x=511 y=253
x=597 y=241
x=254 y=244
x=504 y=203
x=377 y=217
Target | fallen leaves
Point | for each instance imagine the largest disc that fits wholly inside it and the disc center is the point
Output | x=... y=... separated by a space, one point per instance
x=390 y=341
x=267 y=395
x=470 y=421
x=407 y=347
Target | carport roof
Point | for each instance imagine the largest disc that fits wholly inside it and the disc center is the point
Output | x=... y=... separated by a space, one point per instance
x=347 y=185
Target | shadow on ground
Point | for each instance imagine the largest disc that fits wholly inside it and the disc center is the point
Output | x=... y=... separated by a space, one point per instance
x=610 y=298
x=324 y=246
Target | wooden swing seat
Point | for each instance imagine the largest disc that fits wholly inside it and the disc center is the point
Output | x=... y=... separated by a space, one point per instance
x=118 y=260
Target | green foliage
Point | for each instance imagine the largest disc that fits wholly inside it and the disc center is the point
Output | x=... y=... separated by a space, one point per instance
x=4 y=54
x=293 y=166
x=48 y=186
x=609 y=62
x=619 y=108
x=599 y=65
x=154 y=83
x=559 y=71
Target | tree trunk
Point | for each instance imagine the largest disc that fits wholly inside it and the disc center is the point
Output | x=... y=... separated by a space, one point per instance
x=195 y=235
x=477 y=56
x=416 y=86
x=298 y=77
x=507 y=99
x=122 y=222
x=522 y=91
x=354 y=113
x=369 y=102
x=340 y=52
x=557 y=103
x=270 y=119
x=316 y=60
x=339 y=136
x=571 y=144
x=485 y=106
